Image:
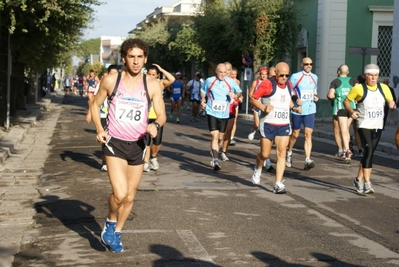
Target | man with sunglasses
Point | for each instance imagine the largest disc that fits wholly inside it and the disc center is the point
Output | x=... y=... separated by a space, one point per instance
x=305 y=95
x=275 y=106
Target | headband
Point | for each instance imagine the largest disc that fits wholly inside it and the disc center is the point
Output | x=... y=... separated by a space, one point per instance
x=374 y=71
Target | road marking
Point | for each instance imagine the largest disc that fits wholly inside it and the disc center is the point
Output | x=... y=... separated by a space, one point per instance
x=194 y=246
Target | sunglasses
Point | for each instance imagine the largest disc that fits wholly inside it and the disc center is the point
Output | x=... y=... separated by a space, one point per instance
x=308 y=64
x=283 y=75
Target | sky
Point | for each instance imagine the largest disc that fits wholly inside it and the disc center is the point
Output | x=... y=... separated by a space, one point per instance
x=118 y=17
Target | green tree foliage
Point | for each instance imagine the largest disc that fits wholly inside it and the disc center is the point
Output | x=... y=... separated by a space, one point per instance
x=159 y=36
x=186 y=44
x=96 y=66
x=213 y=30
x=42 y=34
x=248 y=27
x=88 y=47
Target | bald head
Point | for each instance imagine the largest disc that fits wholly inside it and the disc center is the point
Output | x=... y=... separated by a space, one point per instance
x=281 y=67
x=282 y=72
x=272 y=72
x=343 y=70
x=307 y=64
x=221 y=71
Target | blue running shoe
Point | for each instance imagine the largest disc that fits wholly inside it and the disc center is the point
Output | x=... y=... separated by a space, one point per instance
x=117 y=246
x=108 y=233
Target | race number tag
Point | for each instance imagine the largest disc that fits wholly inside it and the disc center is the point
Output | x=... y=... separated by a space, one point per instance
x=307 y=95
x=374 y=113
x=219 y=106
x=176 y=90
x=281 y=113
x=127 y=110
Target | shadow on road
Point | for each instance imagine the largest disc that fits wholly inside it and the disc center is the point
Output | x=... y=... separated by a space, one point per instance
x=173 y=257
x=276 y=261
x=82 y=158
x=75 y=215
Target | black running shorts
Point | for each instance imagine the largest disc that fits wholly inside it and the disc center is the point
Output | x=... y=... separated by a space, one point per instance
x=131 y=151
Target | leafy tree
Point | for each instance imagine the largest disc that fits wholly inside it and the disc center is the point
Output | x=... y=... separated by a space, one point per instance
x=187 y=45
x=213 y=28
x=42 y=35
x=96 y=66
x=248 y=27
x=88 y=47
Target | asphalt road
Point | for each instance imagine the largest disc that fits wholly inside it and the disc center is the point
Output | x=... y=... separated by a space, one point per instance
x=185 y=214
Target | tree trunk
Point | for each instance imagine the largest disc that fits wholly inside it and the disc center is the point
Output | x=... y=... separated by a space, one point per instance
x=17 y=101
x=3 y=76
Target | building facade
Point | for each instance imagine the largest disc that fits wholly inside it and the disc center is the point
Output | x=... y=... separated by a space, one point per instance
x=109 y=50
x=335 y=32
x=182 y=9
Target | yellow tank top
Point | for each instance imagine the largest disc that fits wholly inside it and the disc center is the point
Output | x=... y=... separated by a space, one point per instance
x=152 y=114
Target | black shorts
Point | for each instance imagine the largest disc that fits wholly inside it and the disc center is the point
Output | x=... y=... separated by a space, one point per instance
x=131 y=151
x=195 y=101
x=343 y=113
x=158 y=139
x=216 y=124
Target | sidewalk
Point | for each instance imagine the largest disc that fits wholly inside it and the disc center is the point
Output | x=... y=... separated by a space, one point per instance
x=20 y=124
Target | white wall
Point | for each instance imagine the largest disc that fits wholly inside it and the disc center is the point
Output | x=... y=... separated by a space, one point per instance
x=331 y=42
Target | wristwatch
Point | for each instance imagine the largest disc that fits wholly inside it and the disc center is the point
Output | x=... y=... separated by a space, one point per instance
x=157 y=125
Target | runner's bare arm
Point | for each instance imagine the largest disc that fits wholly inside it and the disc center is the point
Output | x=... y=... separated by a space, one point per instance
x=159 y=106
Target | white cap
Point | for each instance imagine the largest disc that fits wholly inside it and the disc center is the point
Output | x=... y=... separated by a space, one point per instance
x=177 y=73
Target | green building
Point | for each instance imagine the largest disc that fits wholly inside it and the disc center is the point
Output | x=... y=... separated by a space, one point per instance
x=335 y=32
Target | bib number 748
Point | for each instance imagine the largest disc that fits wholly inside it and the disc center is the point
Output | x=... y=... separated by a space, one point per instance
x=128 y=115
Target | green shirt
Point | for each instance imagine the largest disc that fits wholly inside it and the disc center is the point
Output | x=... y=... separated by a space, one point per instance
x=342 y=86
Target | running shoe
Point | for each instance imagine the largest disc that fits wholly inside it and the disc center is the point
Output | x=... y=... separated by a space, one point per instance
x=368 y=189
x=108 y=232
x=348 y=156
x=232 y=142
x=359 y=184
x=279 y=188
x=188 y=107
x=339 y=154
x=309 y=165
x=288 y=160
x=251 y=136
x=223 y=157
x=154 y=164
x=216 y=166
x=146 y=167
x=104 y=168
x=117 y=246
x=171 y=115
x=256 y=176
x=177 y=120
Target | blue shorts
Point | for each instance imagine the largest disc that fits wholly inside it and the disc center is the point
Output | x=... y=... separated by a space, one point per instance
x=175 y=97
x=271 y=131
x=307 y=120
